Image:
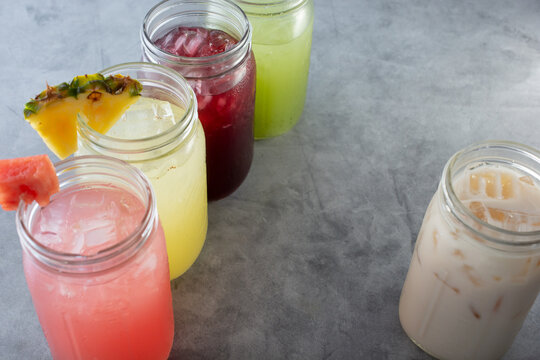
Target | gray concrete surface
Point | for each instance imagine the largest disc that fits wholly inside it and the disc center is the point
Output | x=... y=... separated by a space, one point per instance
x=307 y=259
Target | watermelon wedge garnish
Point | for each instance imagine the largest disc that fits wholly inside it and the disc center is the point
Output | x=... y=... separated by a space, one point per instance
x=27 y=179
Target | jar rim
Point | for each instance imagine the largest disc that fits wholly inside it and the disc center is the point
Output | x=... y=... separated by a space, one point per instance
x=170 y=136
x=70 y=173
x=497 y=236
x=240 y=49
x=271 y=7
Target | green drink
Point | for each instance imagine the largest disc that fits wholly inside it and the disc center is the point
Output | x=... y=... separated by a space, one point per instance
x=282 y=32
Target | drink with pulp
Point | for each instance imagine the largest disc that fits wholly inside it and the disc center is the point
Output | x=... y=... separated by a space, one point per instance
x=282 y=33
x=161 y=135
x=96 y=265
x=468 y=290
x=212 y=50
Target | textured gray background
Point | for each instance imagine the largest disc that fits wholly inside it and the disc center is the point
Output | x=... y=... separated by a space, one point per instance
x=307 y=259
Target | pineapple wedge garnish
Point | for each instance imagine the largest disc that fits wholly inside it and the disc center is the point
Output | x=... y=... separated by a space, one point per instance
x=102 y=100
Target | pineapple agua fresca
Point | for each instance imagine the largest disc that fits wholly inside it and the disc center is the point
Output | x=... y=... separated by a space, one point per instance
x=101 y=100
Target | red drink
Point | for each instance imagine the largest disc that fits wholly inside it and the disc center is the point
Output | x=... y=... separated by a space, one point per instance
x=221 y=70
x=96 y=265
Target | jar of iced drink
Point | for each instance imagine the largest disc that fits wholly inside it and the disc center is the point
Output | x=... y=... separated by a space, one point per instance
x=96 y=264
x=282 y=31
x=209 y=43
x=161 y=135
x=475 y=270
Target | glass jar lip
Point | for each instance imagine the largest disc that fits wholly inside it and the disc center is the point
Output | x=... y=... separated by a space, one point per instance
x=67 y=262
x=148 y=143
x=526 y=238
x=243 y=44
x=271 y=7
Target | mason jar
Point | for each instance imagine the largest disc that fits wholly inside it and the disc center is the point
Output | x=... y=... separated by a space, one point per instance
x=161 y=135
x=96 y=264
x=282 y=32
x=209 y=43
x=475 y=270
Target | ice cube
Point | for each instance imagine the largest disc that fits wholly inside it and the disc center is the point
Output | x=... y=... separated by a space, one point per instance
x=48 y=238
x=193 y=43
x=76 y=243
x=203 y=101
x=145 y=118
x=176 y=46
x=95 y=238
x=85 y=200
x=527 y=180
x=52 y=223
x=97 y=234
x=478 y=209
x=507 y=185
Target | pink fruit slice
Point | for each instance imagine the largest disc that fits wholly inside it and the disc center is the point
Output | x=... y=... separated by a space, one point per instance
x=28 y=179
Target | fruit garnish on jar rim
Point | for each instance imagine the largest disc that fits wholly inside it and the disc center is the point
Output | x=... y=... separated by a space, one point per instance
x=27 y=179
x=102 y=100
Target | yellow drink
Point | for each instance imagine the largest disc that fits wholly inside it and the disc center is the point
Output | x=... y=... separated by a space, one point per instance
x=167 y=143
x=179 y=181
x=180 y=186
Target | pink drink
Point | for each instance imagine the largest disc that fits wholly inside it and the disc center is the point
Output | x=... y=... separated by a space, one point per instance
x=226 y=102
x=99 y=302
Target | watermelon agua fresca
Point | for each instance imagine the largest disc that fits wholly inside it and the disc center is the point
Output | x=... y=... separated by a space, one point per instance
x=27 y=179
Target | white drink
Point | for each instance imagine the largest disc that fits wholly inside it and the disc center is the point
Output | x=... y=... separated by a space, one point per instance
x=463 y=298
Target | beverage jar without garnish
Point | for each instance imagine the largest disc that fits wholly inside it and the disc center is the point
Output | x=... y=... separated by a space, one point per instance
x=161 y=135
x=475 y=270
x=209 y=43
x=282 y=33
x=95 y=262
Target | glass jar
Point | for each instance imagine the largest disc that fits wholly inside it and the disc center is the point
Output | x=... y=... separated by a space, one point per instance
x=96 y=264
x=282 y=32
x=173 y=157
x=224 y=82
x=475 y=270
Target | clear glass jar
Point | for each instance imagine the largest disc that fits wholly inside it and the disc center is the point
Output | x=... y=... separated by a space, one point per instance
x=100 y=285
x=475 y=270
x=224 y=83
x=282 y=33
x=172 y=158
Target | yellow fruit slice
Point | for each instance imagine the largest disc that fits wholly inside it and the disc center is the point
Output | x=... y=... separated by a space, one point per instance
x=102 y=100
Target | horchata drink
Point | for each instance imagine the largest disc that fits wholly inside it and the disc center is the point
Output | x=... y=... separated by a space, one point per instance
x=209 y=43
x=475 y=270
x=282 y=32
x=161 y=135
x=96 y=264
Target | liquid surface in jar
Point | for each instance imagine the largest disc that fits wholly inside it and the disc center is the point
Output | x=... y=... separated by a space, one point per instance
x=501 y=197
x=195 y=42
x=147 y=117
x=85 y=222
